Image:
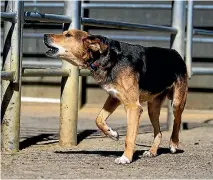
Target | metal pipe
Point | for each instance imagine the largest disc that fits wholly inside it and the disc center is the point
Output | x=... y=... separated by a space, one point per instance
x=127 y=26
x=8 y=16
x=138 y=6
x=85 y=72
x=69 y=86
x=51 y=18
x=189 y=36
x=202 y=32
x=7 y=75
x=11 y=91
x=50 y=63
x=45 y=72
x=202 y=71
x=125 y=6
x=132 y=38
x=113 y=6
x=177 y=43
x=44 y=5
x=40 y=100
x=17 y=44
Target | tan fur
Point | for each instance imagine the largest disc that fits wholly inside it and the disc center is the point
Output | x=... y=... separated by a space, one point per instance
x=179 y=100
x=110 y=105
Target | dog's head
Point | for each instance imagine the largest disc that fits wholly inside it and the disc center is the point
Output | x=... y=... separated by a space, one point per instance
x=74 y=46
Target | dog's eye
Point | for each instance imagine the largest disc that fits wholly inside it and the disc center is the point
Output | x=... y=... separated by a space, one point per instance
x=68 y=35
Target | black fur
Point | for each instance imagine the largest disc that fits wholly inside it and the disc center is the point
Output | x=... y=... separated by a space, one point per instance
x=157 y=68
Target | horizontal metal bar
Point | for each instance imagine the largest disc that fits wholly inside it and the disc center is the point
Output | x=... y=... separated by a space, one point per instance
x=112 y=6
x=155 y=38
x=124 y=25
x=40 y=100
x=202 y=32
x=49 y=63
x=131 y=38
x=202 y=71
x=44 y=72
x=51 y=18
x=7 y=75
x=44 y=5
x=138 y=6
x=85 y=72
x=8 y=16
x=202 y=40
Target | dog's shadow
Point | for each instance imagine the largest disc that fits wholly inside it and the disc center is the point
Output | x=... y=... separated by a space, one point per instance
x=137 y=155
x=167 y=151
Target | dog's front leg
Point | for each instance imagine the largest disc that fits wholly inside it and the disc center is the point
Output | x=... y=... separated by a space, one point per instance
x=133 y=116
x=110 y=105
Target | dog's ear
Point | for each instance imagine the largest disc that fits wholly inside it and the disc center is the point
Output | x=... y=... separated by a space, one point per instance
x=94 y=44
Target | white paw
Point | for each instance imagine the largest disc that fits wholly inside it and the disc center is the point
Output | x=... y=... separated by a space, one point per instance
x=148 y=154
x=113 y=134
x=122 y=160
x=173 y=148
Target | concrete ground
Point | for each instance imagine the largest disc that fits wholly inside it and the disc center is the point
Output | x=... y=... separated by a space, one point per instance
x=41 y=157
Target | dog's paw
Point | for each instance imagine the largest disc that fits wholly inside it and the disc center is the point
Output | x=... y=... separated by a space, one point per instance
x=173 y=148
x=122 y=160
x=149 y=154
x=113 y=134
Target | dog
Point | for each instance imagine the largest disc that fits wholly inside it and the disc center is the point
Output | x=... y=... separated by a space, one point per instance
x=131 y=74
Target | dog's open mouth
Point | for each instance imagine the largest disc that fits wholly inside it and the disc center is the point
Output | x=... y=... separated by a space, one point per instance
x=52 y=49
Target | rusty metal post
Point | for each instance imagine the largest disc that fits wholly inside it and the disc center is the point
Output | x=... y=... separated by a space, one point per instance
x=70 y=85
x=177 y=43
x=11 y=90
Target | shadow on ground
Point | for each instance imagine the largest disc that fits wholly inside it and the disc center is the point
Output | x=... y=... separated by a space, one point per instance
x=137 y=155
x=34 y=140
x=43 y=138
x=91 y=133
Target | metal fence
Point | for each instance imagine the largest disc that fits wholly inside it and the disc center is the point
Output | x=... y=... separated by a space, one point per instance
x=12 y=70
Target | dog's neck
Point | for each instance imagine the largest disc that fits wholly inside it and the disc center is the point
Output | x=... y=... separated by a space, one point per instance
x=92 y=65
x=99 y=65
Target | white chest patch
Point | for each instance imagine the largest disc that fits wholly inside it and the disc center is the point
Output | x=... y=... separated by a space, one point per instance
x=112 y=91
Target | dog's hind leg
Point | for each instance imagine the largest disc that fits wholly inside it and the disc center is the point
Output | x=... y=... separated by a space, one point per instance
x=178 y=103
x=110 y=105
x=154 y=107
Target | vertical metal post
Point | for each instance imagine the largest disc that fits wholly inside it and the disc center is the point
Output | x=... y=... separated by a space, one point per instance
x=11 y=90
x=70 y=85
x=177 y=42
x=80 y=77
x=189 y=36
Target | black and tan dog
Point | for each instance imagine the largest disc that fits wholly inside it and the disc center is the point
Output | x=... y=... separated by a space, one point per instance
x=131 y=74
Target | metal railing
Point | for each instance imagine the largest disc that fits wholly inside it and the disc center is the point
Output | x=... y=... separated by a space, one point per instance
x=13 y=71
x=190 y=32
x=112 y=6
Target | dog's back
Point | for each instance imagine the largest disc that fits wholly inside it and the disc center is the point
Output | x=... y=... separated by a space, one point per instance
x=158 y=68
